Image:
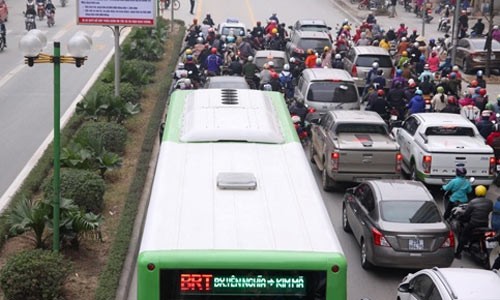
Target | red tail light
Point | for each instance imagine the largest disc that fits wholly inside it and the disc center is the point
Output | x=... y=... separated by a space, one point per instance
x=493 y=165
x=450 y=241
x=311 y=110
x=426 y=163
x=335 y=156
x=379 y=239
x=393 y=72
x=399 y=158
x=354 y=71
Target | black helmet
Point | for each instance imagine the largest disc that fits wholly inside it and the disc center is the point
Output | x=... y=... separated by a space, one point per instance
x=461 y=171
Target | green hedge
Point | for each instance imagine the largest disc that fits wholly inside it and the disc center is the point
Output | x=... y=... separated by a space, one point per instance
x=85 y=188
x=109 y=279
x=112 y=135
x=34 y=275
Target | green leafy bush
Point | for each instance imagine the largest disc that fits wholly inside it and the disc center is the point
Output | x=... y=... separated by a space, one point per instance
x=128 y=91
x=137 y=72
x=112 y=135
x=34 y=275
x=146 y=43
x=85 y=188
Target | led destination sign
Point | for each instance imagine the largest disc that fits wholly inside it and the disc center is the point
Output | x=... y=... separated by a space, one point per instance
x=241 y=284
x=181 y=284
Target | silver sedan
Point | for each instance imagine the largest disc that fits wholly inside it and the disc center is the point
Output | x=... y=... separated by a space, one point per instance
x=397 y=224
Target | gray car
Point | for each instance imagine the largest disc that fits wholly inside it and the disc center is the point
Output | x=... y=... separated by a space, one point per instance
x=397 y=224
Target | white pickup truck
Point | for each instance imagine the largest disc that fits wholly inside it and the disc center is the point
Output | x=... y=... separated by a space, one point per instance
x=433 y=144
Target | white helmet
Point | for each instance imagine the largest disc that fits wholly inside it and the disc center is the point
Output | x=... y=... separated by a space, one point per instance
x=250 y=58
x=318 y=61
x=295 y=119
x=180 y=66
x=403 y=39
x=199 y=40
x=286 y=67
x=338 y=56
x=270 y=63
x=292 y=59
x=375 y=65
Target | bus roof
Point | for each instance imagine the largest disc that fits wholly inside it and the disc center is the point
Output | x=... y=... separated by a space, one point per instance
x=233 y=195
x=228 y=115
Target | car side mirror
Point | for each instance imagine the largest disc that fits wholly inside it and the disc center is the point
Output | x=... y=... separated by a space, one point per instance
x=329 y=28
x=313 y=118
x=404 y=288
x=350 y=190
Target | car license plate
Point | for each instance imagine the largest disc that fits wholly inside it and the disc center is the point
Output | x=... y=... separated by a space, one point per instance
x=498 y=167
x=395 y=118
x=427 y=106
x=415 y=245
x=491 y=245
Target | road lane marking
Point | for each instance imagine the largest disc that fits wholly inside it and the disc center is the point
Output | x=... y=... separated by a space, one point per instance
x=11 y=73
x=250 y=13
x=199 y=9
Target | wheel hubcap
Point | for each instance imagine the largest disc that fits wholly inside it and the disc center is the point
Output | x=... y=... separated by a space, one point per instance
x=363 y=253
x=344 y=216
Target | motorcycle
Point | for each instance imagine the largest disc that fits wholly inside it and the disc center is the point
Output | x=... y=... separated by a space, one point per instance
x=427 y=16
x=40 y=10
x=477 y=247
x=63 y=3
x=50 y=18
x=427 y=99
x=444 y=25
x=29 y=21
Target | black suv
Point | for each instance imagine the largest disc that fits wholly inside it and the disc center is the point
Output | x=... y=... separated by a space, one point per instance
x=300 y=41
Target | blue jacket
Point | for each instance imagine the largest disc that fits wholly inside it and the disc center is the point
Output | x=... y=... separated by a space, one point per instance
x=213 y=62
x=459 y=187
x=495 y=216
x=416 y=105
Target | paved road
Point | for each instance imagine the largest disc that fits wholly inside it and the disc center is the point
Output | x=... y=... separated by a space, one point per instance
x=378 y=284
x=26 y=94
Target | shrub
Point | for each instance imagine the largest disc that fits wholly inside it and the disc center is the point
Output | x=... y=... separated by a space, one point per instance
x=85 y=188
x=112 y=135
x=34 y=275
x=137 y=72
x=128 y=91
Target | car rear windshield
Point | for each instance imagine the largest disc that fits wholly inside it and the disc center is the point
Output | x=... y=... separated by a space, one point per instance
x=449 y=130
x=314 y=43
x=361 y=128
x=314 y=27
x=236 y=30
x=410 y=212
x=384 y=61
x=331 y=91
x=279 y=62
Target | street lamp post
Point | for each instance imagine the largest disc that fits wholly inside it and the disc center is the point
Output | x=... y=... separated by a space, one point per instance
x=31 y=45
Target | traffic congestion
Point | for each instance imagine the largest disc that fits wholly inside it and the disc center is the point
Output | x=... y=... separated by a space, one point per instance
x=382 y=113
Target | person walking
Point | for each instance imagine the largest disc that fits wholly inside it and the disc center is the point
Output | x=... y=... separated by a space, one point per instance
x=393 y=13
x=192 y=7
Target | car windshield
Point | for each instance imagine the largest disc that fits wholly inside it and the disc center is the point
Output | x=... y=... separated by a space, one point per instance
x=361 y=128
x=449 y=130
x=384 y=61
x=331 y=91
x=410 y=212
x=314 y=43
x=236 y=30
x=279 y=62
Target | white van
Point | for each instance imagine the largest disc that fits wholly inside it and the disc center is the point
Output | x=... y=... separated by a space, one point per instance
x=327 y=89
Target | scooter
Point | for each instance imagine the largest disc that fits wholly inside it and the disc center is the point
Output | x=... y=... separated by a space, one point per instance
x=478 y=247
x=40 y=10
x=29 y=21
x=50 y=18
x=63 y=3
x=444 y=25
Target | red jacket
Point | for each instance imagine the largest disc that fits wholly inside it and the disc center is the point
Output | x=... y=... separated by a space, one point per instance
x=491 y=138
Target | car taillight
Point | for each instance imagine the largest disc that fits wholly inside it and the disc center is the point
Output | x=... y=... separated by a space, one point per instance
x=379 y=239
x=311 y=110
x=393 y=72
x=493 y=165
x=335 y=160
x=426 y=163
x=354 y=71
x=399 y=158
x=450 y=241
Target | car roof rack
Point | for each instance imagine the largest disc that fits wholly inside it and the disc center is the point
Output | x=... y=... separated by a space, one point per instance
x=445 y=282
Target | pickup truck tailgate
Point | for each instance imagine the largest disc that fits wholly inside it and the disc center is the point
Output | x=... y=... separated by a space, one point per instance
x=455 y=151
x=366 y=153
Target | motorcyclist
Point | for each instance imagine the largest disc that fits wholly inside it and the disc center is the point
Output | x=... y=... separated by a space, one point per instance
x=463 y=24
x=213 y=63
x=396 y=99
x=454 y=84
x=493 y=140
x=481 y=99
x=299 y=109
x=452 y=106
x=378 y=104
x=478 y=28
x=50 y=6
x=480 y=80
x=337 y=62
x=469 y=110
x=296 y=67
x=192 y=70
x=433 y=62
x=326 y=57
x=249 y=71
x=459 y=188
x=391 y=34
x=245 y=49
x=363 y=41
x=286 y=81
x=416 y=104
x=310 y=61
x=30 y=5
x=258 y=31
x=3 y=32
x=265 y=76
x=484 y=125
x=208 y=20
x=370 y=76
x=439 y=100
x=476 y=215
x=402 y=31
x=404 y=59
x=379 y=81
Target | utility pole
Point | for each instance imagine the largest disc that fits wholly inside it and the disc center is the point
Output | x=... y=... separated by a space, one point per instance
x=487 y=45
x=454 y=32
